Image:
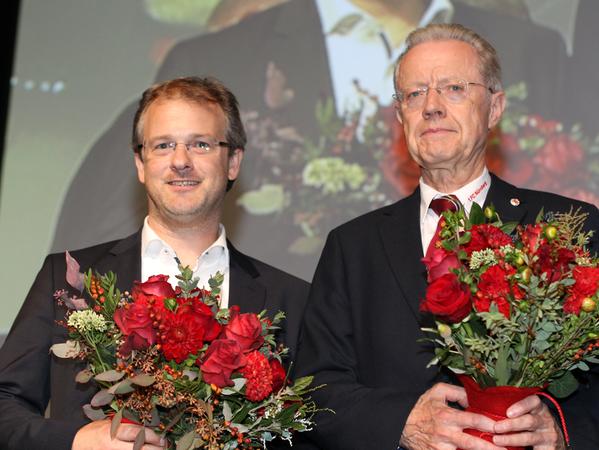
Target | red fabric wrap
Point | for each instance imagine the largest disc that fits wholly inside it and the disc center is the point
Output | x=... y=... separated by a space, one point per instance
x=493 y=402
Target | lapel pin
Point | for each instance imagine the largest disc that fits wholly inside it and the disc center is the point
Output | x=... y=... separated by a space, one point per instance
x=514 y=201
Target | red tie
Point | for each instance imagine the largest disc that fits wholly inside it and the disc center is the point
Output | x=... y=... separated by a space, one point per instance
x=439 y=205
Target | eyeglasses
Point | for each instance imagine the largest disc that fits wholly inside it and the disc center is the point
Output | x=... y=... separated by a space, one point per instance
x=197 y=146
x=452 y=91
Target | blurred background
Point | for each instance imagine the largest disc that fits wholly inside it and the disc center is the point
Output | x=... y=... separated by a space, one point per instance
x=314 y=80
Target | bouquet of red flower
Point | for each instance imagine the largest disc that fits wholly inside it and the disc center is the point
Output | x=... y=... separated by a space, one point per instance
x=518 y=311
x=514 y=315
x=170 y=359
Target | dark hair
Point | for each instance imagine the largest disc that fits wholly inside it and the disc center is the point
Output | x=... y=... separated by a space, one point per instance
x=196 y=90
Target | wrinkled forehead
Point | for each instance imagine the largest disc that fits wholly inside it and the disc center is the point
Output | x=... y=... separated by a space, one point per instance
x=438 y=61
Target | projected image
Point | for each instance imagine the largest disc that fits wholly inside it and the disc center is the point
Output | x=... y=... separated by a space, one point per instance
x=314 y=81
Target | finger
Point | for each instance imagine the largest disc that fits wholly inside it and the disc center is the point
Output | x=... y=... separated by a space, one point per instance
x=450 y=393
x=531 y=404
x=527 y=439
x=128 y=432
x=475 y=421
x=154 y=438
x=468 y=442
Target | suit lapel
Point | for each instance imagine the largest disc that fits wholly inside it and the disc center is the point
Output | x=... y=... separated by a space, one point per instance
x=244 y=288
x=400 y=234
x=508 y=200
x=124 y=259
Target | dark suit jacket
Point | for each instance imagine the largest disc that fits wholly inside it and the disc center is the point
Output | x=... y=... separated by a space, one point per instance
x=362 y=324
x=291 y=37
x=30 y=376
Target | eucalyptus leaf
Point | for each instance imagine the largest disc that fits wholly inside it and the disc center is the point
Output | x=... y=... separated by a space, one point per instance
x=68 y=349
x=109 y=376
x=93 y=413
x=102 y=398
x=122 y=387
x=186 y=441
x=227 y=413
x=140 y=439
x=115 y=423
x=84 y=376
x=143 y=380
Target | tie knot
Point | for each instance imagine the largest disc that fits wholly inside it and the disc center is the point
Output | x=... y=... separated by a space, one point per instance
x=445 y=203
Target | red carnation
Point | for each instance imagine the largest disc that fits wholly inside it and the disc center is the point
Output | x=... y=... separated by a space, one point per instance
x=439 y=261
x=259 y=377
x=494 y=287
x=553 y=261
x=486 y=236
x=245 y=329
x=180 y=335
x=447 y=298
x=278 y=374
x=586 y=283
x=222 y=358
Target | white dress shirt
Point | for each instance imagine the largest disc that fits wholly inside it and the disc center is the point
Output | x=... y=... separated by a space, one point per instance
x=158 y=258
x=475 y=191
x=362 y=54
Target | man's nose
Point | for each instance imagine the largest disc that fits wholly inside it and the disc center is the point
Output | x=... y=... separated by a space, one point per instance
x=181 y=158
x=434 y=106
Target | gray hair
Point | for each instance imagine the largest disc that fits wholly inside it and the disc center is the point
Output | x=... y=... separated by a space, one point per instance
x=490 y=69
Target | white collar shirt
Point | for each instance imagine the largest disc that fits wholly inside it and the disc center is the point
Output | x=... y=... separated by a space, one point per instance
x=362 y=55
x=475 y=191
x=158 y=258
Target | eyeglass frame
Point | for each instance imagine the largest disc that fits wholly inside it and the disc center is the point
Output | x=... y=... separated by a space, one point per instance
x=172 y=145
x=398 y=96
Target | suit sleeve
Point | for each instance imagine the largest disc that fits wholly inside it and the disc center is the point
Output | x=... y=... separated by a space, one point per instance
x=364 y=417
x=25 y=375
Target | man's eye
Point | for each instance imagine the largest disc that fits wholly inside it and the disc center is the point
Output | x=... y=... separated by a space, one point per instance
x=162 y=146
x=200 y=145
x=414 y=94
x=455 y=88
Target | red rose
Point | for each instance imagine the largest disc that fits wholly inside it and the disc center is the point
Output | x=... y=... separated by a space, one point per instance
x=438 y=262
x=135 y=322
x=247 y=330
x=494 y=287
x=278 y=374
x=181 y=334
x=486 y=236
x=222 y=358
x=154 y=291
x=258 y=374
x=447 y=298
x=205 y=319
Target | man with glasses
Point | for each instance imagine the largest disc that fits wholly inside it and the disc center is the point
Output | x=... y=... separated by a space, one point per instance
x=362 y=324
x=188 y=140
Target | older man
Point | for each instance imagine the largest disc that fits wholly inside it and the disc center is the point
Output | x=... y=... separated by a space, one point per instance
x=362 y=322
x=188 y=141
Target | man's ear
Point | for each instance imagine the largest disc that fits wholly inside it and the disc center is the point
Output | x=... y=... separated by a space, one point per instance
x=235 y=159
x=139 y=165
x=497 y=108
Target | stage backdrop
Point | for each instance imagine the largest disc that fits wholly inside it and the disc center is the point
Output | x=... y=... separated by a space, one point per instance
x=314 y=82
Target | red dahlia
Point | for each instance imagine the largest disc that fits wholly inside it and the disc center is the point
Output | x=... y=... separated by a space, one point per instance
x=180 y=335
x=259 y=377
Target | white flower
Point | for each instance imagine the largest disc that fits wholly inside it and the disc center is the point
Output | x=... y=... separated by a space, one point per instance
x=481 y=258
x=86 y=321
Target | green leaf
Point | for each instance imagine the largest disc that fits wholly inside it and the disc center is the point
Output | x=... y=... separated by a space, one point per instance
x=109 y=376
x=140 y=439
x=143 y=380
x=122 y=387
x=563 y=386
x=84 y=376
x=477 y=216
x=101 y=398
x=227 y=413
x=93 y=413
x=115 y=423
x=540 y=215
x=301 y=384
x=186 y=441
x=502 y=370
